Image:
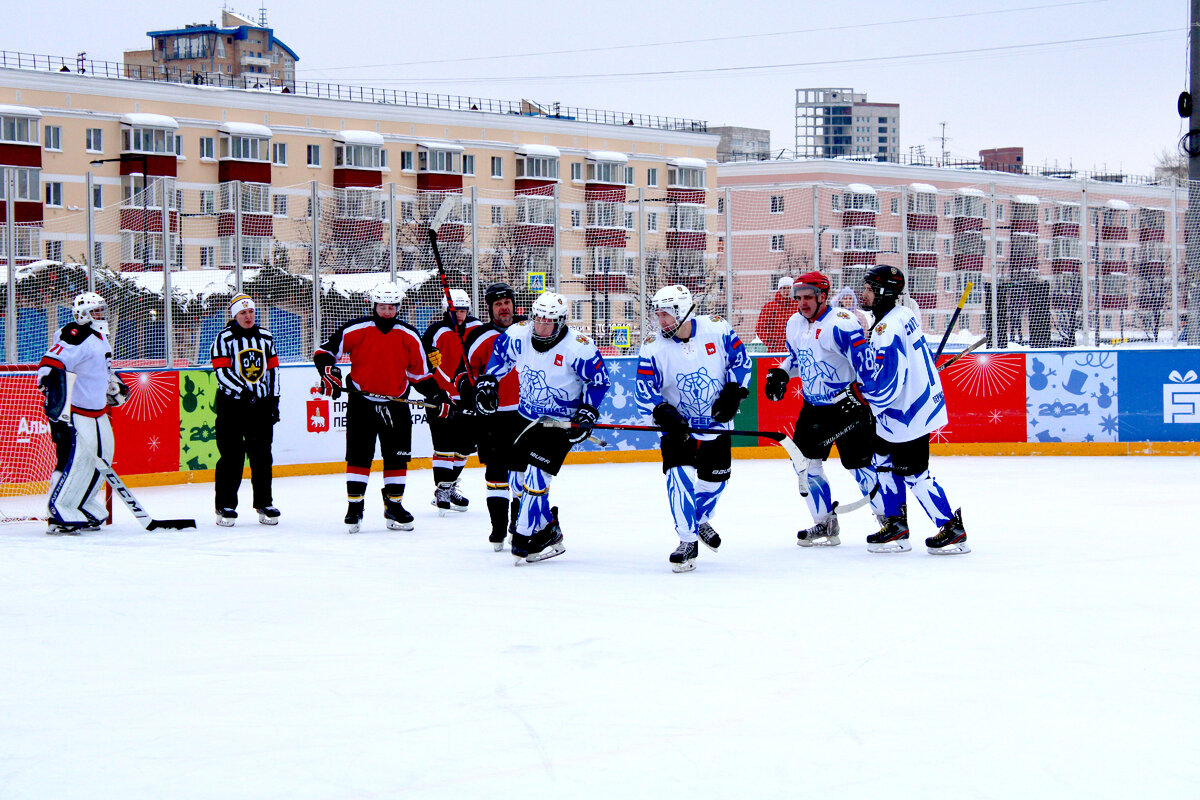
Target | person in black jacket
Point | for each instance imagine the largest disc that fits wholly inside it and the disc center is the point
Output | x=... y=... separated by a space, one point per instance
x=247 y=370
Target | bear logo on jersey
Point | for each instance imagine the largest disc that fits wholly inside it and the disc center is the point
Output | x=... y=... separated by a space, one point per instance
x=251 y=363
x=697 y=391
x=542 y=398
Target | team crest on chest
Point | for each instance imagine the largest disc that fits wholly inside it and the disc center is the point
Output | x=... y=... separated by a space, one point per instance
x=251 y=363
x=710 y=348
x=881 y=327
x=558 y=359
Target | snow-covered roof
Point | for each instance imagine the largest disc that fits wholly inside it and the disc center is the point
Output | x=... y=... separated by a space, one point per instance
x=33 y=267
x=689 y=163
x=1026 y=199
x=860 y=188
x=149 y=121
x=923 y=188
x=607 y=155
x=245 y=129
x=1119 y=205
x=435 y=145
x=359 y=137
x=544 y=150
x=360 y=282
x=20 y=111
x=967 y=191
x=1067 y=203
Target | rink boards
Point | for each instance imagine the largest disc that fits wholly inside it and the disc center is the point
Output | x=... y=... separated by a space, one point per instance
x=1074 y=402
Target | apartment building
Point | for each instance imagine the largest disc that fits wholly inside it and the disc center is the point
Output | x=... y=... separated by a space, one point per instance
x=836 y=123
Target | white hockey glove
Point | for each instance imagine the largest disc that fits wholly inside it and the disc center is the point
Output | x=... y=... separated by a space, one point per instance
x=118 y=392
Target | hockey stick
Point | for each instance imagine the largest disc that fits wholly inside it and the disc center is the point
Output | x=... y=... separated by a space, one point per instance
x=555 y=422
x=799 y=461
x=434 y=224
x=135 y=508
x=975 y=345
x=962 y=301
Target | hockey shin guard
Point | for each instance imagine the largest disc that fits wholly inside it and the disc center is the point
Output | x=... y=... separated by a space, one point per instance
x=891 y=487
x=868 y=482
x=820 y=497
x=707 y=494
x=535 y=502
x=681 y=495
x=930 y=496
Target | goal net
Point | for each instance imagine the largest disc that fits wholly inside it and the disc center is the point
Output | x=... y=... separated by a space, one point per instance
x=26 y=449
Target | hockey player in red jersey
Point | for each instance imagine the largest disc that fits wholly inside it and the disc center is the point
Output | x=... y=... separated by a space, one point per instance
x=386 y=357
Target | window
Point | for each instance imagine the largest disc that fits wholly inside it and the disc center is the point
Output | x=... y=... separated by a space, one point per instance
x=895 y=206
x=628 y=220
x=206 y=258
x=856 y=201
x=687 y=217
x=652 y=176
x=148 y=140
x=97 y=196
x=406 y=159
x=537 y=167
x=577 y=171
x=243 y=148
x=98 y=254
x=605 y=172
x=603 y=214
x=687 y=177
x=776 y=204
x=208 y=201
x=497 y=215
x=54 y=249
x=54 y=194
x=28 y=183
x=576 y=218
x=279 y=154
x=720 y=205
x=946 y=208
x=577 y=267
x=999 y=248
x=497 y=167
x=208 y=148
x=314 y=155
x=53 y=137
x=279 y=205
x=357 y=156
x=535 y=209
x=629 y=176
x=836 y=201
x=18 y=129
x=95 y=140
x=835 y=241
x=178 y=146
x=468 y=165
x=468 y=212
x=577 y=306
x=777 y=243
x=651 y=221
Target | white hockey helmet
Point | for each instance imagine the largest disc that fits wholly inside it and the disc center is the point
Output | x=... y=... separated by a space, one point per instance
x=461 y=300
x=386 y=293
x=675 y=300
x=549 y=306
x=89 y=308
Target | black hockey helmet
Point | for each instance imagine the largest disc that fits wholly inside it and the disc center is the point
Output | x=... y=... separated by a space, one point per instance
x=886 y=281
x=498 y=291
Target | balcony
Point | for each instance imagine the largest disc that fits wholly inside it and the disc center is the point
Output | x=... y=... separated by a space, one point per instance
x=254 y=61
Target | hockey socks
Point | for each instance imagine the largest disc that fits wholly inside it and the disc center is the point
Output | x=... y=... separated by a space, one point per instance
x=868 y=482
x=707 y=494
x=931 y=497
x=819 y=499
x=681 y=495
x=535 y=502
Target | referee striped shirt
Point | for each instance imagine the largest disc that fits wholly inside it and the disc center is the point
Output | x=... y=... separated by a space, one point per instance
x=245 y=362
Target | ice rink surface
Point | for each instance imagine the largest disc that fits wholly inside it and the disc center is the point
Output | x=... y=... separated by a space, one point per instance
x=1059 y=659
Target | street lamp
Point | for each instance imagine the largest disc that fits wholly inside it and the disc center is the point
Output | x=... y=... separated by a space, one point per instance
x=142 y=157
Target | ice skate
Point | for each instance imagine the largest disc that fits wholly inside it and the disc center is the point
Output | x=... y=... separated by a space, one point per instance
x=951 y=539
x=354 y=515
x=520 y=547
x=514 y=511
x=64 y=528
x=457 y=501
x=398 y=519
x=822 y=534
x=891 y=538
x=497 y=539
x=268 y=515
x=441 y=497
x=546 y=543
x=684 y=557
x=711 y=539
x=226 y=517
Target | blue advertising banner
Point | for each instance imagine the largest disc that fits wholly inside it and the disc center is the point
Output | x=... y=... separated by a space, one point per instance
x=1071 y=396
x=1160 y=401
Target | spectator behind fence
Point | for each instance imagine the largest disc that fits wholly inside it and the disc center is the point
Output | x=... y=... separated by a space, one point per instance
x=848 y=300
x=772 y=320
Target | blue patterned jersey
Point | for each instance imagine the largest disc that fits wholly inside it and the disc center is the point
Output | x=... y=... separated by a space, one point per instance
x=820 y=353
x=689 y=375
x=899 y=379
x=554 y=383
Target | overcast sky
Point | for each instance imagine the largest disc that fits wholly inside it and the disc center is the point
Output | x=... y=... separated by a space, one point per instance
x=1090 y=83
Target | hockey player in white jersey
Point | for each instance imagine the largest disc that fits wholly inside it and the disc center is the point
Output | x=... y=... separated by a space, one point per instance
x=81 y=347
x=693 y=373
x=821 y=341
x=562 y=377
x=900 y=381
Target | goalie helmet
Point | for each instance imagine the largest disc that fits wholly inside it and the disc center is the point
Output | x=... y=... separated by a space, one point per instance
x=675 y=300
x=461 y=300
x=552 y=307
x=89 y=308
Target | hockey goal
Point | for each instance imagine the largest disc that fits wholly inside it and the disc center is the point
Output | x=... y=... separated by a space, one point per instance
x=26 y=449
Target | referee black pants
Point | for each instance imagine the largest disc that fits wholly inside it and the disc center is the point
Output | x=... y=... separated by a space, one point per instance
x=245 y=430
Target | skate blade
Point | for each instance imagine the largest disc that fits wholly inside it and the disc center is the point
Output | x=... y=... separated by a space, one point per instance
x=399 y=526
x=900 y=546
x=442 y=512
x=263 y=519
x=709 y=546
x=498 y=545
x=225 y=523
x=352 y=528
x=72 y=532
x=460 y=509
x=950 y=550
x=551 y=551
x=686 y=566
x=821 y=541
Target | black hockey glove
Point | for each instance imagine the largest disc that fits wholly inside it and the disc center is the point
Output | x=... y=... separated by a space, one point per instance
x=725 y=407
x=667 y=417
x=436 y=398
x=331 y=380
x=466 y=391
x=776 y=386
x=582 y=424
x=487 y=394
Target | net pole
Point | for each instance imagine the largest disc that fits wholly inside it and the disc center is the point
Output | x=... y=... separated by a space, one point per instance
x=91 y=232
x=729 y=254
x=168 y=296
x=1085 y=302
x=475 y=252
x=237 y=235
x=1173 y=264
x=392 y=228
x=314 y=248
x=10 y=234
x=557 y=235
x=641 y=261
x=995 y=301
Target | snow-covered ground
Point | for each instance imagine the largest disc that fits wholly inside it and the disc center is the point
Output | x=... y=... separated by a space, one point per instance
x=1059 y=659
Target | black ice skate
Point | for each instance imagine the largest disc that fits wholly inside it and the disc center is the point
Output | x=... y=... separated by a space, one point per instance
x=441 y=497
x=823 y=534
x=397 y=517
x=354 y=515
x=226 y=517
x=457 y=501
x=951 y=538
x=891 y=538
x=546 y=543
x=65 y=528
x=520 y=547
x=711 y=539
x=684 y=557
x=268 y=515
x=514 y=511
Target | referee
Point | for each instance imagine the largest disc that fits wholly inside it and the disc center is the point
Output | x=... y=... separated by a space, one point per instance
x=247 y=370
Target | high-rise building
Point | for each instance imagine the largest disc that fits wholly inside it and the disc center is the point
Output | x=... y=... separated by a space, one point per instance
x=840 y=123
x=742 y=144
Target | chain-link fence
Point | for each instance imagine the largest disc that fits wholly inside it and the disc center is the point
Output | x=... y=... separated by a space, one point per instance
x=1063 y=264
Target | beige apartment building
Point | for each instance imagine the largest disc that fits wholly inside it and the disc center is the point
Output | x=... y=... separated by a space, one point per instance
x=597 y=204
